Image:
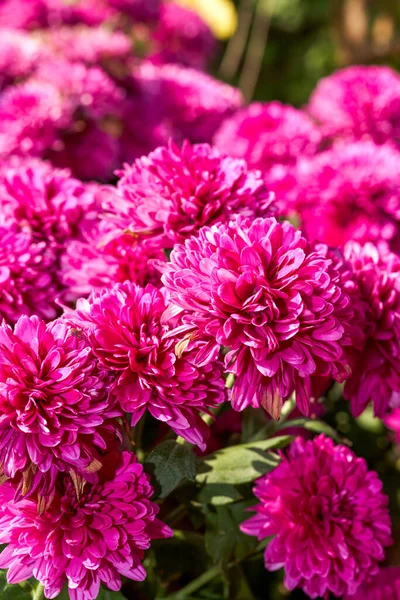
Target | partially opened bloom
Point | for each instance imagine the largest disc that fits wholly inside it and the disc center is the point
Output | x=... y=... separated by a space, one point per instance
x=268 y=134
x=259 y=288
x=376 y=373
x=129 y=331
x=173 y=192
x=92 y=533
x=350 y=193
x=359 y=102
x=328 y=517
x=383 y=586
x=55 y=405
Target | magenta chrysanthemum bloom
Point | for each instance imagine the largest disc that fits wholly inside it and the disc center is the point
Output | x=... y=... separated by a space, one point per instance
x=30 y=114
x=28 y=283
x=29 y=14
x=182 y=36
x=20 y=52
x=383 y=586
x=45 y=201
x=376 y=374
x=262 y=290
x=359 y=102
x=102 y=256
x=268 y=134
x=86 y=90
x=328 y=517
x=130 y=333
x=172 y=101
x=93 y=46
x=55 y=405
x=91 y=535
x=351 y=192
x=173 y=192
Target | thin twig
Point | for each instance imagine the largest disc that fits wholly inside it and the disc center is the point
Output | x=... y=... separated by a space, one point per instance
x=255 y=49
x=237 y=44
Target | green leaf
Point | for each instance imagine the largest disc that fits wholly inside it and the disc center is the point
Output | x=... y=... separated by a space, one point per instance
x=219 y=494
x=242 y=463
x=314 y=426
x=223 y=538
x=169 y=464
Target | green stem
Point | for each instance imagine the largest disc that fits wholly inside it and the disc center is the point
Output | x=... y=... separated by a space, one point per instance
x=38 y=592
x=195 y=585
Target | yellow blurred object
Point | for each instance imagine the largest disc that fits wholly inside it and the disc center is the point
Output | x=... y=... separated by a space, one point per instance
x=220 y=15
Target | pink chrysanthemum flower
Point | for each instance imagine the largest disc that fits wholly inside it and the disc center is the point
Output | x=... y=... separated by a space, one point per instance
x=55 y=405
x=87 y=12
x=392 y=422
x=268 y=134
x=328 y=515
x=383 y=586
x=45 y=201
x=20 y=53
x=262 y=290
x=28 y=283
x=172 y=101
x=102 y=256
x=182 y=36
x=351 y=192
x=359 y=102
x=30 y=114
x=29 y=14
x=376 y=374
x=92 y=533
x=86 y=90
x=93 y=46
x=173 y=192
x=129 y=331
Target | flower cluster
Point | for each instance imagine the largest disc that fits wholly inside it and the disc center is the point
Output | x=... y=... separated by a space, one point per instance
x=172 y=260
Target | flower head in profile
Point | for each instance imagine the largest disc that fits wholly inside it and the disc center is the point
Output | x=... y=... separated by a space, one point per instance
x=268 y=134
x=359 y=102
x=55 y=407
x=173 y=192
x=383 y=586
x=130 y=333
x=328 y=517
x=350 y=193
x=376 y=373
x=92 y=533
x=260 y=289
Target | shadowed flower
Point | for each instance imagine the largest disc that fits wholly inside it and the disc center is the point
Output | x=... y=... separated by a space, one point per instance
x=262 y=290
x=182 y=36
x=92 y=533
x=359 y=103
x=351 y=192
x=129 y=331
x=328 y=517
x=376 y=373
x=383 y=586
x=55 y=406
x=173 y=192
